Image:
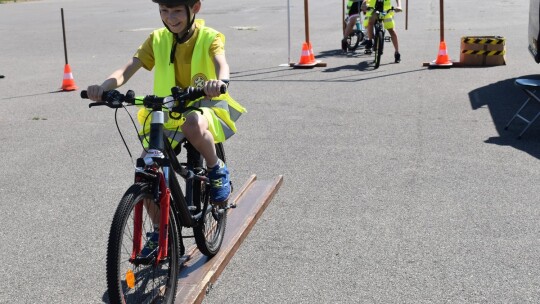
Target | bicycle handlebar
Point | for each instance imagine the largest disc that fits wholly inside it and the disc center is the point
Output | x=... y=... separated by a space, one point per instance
x=383 y=11
x=115 y=99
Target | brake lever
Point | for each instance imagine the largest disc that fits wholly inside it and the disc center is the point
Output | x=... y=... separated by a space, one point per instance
x=95 y=104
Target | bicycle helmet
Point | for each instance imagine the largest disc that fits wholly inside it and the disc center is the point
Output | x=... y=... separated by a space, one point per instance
x=190 y=3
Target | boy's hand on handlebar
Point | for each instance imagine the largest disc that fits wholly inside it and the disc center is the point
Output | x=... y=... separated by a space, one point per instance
x=398 y=9
x=212 y=88
x=95 y=92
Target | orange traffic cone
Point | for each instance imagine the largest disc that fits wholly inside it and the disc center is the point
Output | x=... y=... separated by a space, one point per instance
x=307 y=59
x=68 y=84
x=442 y=58
x=311 y=54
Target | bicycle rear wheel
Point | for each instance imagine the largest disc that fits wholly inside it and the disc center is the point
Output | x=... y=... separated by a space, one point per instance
x=210 y=230
x=354 y=39
x=378 y=46
x=129 y=280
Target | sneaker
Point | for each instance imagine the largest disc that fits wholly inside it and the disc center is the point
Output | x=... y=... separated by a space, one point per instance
x=344 y=45
x=397 y=57
x=369 y=45
x=151 y=246
x=220 y=183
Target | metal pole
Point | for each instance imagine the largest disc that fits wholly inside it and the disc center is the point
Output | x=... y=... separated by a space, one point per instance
x=64 y=34
x=306 y=17
x=289 y=28
x=442 y=19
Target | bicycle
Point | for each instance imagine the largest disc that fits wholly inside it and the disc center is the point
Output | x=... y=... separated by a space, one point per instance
x=379 y=35
x=356 y=37
x=157 y=194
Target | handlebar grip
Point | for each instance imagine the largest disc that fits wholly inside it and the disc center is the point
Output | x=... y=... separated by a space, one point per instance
x=84 y=95
x=195 y=93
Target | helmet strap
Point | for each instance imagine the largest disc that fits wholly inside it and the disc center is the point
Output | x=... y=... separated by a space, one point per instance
x=182 y=37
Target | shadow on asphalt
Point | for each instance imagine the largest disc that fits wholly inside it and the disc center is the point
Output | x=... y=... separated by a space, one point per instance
x=36 y=94
x=277 y=74
x=503 y=99
x=366 y=63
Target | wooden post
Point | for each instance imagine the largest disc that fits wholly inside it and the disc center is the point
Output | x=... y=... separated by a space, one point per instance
x=343 y=14
x=406 y=14
x=306 y=18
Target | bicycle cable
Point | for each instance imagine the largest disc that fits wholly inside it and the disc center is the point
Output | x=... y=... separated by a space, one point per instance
x=136 y=130
x=120 y=131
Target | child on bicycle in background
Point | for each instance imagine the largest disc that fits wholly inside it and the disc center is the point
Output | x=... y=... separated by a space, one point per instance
x=388 y=22
x=186 y=53
x=353 y=13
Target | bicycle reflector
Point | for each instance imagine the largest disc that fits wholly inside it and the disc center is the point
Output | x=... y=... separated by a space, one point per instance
x=130 y=279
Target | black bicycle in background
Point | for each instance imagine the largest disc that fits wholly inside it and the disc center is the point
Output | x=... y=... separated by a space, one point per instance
x=156 y=199
x=379 y=35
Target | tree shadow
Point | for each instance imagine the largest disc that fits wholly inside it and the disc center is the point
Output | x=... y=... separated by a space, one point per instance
x=503 y=99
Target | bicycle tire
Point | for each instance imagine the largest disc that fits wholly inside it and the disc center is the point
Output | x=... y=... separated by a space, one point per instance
x=153 y=283
x=210 y=230
x=354 y=39
x=378 y=46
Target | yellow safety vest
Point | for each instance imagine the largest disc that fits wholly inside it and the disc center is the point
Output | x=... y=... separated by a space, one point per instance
x=387 y=4
x=202 y=69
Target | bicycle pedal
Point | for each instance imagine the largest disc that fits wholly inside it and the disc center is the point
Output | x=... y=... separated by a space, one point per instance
x=387 y=39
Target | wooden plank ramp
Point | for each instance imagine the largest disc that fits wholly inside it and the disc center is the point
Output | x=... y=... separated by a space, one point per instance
x=198 y=273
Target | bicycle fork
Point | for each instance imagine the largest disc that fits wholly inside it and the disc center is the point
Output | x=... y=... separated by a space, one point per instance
x=156 y=146
x=165 y=206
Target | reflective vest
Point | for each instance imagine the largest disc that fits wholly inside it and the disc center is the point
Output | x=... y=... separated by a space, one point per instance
x=202 y=69
x=387 y=4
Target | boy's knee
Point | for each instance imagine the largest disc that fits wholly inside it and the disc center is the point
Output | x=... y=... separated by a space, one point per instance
x=194 y=124
x=191 y=124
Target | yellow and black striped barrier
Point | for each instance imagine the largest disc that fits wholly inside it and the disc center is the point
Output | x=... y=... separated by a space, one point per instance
x=473 y=40
x=483 y=50
x=485 y=53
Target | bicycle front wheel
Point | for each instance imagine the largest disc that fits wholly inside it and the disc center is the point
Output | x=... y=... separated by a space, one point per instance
x=210 y=230
x=378 y=46
x=130 y=280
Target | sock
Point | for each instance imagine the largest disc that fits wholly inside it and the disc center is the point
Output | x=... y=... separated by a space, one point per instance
x=218 y=163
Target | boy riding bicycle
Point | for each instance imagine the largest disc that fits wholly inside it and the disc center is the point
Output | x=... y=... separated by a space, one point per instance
x=388 y=22
x=186 y=53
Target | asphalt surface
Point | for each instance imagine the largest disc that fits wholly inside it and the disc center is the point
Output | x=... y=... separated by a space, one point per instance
x=400 y=184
